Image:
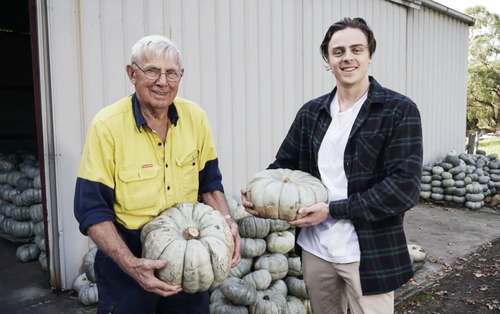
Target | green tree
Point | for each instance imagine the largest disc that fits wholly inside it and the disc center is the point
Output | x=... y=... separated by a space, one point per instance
x=483 y=96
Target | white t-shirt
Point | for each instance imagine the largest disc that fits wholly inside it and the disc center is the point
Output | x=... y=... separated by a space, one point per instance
x=335 y=241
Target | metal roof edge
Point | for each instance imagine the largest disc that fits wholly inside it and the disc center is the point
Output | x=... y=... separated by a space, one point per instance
x=449 y=11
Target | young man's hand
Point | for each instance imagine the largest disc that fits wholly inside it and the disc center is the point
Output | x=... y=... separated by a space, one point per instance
x=313 y=215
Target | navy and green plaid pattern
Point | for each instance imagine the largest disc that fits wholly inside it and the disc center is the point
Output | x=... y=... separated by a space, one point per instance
x=383 y=165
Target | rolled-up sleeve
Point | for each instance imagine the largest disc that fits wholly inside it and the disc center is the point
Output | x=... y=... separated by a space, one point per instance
x=94 y=193
x=210 y=177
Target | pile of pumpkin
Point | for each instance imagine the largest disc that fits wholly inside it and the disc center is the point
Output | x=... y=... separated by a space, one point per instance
x=462 y=178
x=269 y=274
x=84 y=284
x=21 y=211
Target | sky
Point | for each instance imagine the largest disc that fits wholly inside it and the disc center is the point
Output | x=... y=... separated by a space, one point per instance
x=460 y=5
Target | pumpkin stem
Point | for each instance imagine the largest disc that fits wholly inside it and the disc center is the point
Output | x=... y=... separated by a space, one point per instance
x=191 y=233
x=287 y=180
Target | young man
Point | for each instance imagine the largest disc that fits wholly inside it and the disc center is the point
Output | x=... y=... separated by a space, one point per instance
x=364 y=142
x=143 y=154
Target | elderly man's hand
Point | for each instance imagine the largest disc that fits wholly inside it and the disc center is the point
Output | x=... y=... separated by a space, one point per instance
x=142 y=270
x=237 y=242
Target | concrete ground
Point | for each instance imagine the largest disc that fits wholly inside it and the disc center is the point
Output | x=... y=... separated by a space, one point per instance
x=25 y=288
x=445 y=233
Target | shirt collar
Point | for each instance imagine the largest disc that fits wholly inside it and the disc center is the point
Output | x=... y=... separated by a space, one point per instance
x=375 y=95
x=173 y=115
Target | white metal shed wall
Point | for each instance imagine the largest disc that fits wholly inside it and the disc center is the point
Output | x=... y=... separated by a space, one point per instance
x=249 y=64
x=437 y=79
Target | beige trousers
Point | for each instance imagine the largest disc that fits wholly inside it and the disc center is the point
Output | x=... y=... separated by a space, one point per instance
x=332 y=287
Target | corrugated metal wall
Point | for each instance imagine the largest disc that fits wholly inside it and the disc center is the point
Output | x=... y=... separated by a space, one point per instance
x=437 y=79
x=249 y=64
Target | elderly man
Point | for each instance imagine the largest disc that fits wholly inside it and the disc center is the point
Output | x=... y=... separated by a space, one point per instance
x=143 y=154
x=365 y=143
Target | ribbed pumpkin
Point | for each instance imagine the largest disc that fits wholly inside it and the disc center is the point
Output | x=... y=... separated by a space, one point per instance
x=32 y=171
x=260 y=279
x=42 y=259
x=296 y=287
x=224 y=306
x=269 y=303
x=196 y=241
x=294 y=305
x=417 y=253
x=242 y=269
x=279 y=286
x=280 y=193
x=27 y=253
x=89 y=294
x=277 y=225
x=37 y=183
x=13 y=176
x=238 y=291
x=7 y=165
x=80 y=282
x=20 y=213
x=22 y=229
x=28 y=197
x=88 y=264
x=40 y=242
x=280 y=242
x=239 y=212
x=276 y=264
x=294 y=266
x=36 y=212
x=24 y=183
x=40 y=228
x=252 y=247
x=253 y=227
x=9 y=194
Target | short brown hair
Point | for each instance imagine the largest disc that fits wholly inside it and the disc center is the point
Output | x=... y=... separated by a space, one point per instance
x=347 y=22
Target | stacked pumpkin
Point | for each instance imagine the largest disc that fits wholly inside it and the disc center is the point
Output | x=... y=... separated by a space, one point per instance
x=84 y=284
x=462 y=178
x=21 y=212
x=269 y=276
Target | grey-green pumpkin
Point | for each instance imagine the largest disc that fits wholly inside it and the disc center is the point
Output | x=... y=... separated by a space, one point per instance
x=260 y=279
x=279 y=286
x=89 y=294
x=88 y=264
x=36 y=212
x=80 y=282
x=294 y=305
x=252 y=247
x=243 y=268
x=280 y=242
x=254 y=227
x=224 y=306
x=270 y=303
x=23 y=229
x=276 y=264
x=296 y=287
x=294 y=266
x=238 y=291
x=27 y=253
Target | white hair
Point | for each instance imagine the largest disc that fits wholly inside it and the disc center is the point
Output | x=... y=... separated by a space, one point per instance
x=158 y=45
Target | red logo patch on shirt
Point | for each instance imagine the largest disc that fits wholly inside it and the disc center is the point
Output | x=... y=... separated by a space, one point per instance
x=147 y=166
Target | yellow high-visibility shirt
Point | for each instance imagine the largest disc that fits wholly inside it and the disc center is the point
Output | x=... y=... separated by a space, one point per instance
x=126 y=172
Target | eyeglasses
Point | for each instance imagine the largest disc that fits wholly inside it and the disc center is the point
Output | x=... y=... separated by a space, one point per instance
x=155 y=74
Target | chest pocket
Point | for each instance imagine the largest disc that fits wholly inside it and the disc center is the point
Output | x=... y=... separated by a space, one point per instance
x=187 y=169
x=369 y=149
x=138 y=188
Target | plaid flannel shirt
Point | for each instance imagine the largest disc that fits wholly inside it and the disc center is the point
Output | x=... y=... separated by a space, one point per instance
x=383 y=165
